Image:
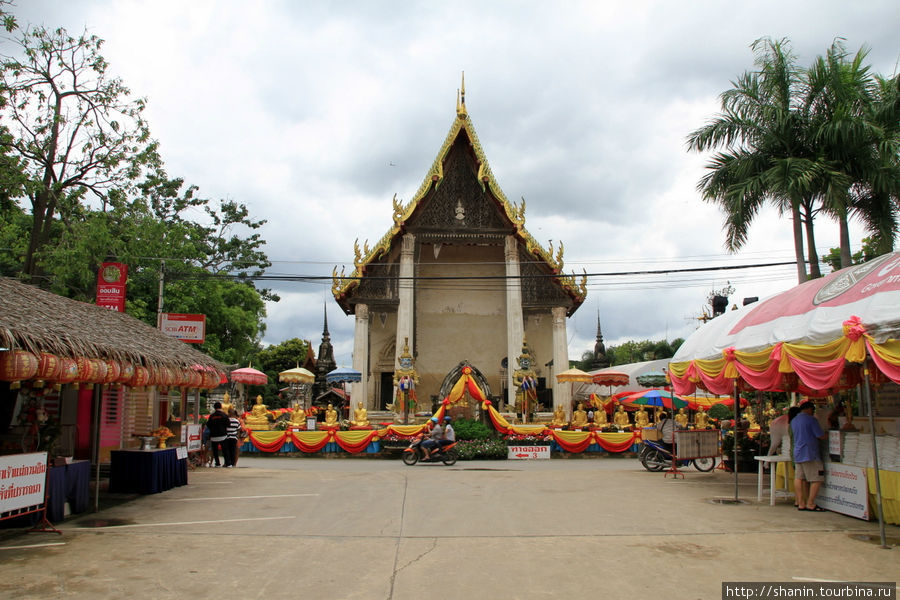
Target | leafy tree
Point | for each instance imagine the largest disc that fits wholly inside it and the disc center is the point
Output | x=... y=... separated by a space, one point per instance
x=855 y=131
x=866 y=253
x=74 y=128
x=644 y=350
x=766 y=156
x=275 y=359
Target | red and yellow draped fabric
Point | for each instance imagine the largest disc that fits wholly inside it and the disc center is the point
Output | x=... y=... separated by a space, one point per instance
x=578 y=441
x=819 y=369
x=465 y=383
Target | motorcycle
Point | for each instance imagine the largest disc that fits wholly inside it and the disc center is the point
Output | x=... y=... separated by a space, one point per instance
x=654 y=457
x=445 y=454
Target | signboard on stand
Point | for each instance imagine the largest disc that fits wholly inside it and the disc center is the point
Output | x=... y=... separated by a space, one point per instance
x=845 y=490
x=527 y=452
x=193 y=441
x=23 y=478
x=111 y=283
x=187 y=328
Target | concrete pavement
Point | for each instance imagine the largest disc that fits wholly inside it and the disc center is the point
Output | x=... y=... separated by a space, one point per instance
x=278 y=527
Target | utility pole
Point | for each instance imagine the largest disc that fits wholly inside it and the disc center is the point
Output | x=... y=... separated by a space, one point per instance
x=159 y=301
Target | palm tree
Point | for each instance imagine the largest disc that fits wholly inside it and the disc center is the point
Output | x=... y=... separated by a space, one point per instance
x=766 y=155
x=854 y=123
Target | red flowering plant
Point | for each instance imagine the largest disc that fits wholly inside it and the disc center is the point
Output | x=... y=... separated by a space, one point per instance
x=527 y=439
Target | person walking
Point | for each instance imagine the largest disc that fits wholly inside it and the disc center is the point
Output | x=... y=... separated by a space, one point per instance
x=231 y=438
x=808 y=466
x=218 y=432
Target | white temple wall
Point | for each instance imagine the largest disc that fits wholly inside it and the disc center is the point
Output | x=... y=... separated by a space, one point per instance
x=459 y=320
x=539 y=335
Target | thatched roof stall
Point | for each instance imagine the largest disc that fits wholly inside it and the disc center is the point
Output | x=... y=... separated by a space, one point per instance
x=38 y=321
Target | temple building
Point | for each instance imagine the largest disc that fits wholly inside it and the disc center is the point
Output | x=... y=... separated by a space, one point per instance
x=459 y=279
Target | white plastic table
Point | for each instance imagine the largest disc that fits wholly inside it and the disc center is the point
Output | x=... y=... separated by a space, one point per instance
x=771 y=460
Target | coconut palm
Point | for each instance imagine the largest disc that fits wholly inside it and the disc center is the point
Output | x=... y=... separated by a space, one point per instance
x=854 y=122
x=766 y=154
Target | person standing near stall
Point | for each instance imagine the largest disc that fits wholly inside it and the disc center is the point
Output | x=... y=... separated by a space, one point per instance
x=218 y=423
x=807 y=458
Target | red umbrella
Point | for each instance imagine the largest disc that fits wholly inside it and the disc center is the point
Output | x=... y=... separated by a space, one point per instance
x=250 y=376
x=611 y=378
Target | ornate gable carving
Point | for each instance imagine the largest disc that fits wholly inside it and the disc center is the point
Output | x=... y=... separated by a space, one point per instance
x=460 y=203
x=537 y=288
x=380 y=284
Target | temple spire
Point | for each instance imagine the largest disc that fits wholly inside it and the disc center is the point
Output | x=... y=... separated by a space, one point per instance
x=461 y=98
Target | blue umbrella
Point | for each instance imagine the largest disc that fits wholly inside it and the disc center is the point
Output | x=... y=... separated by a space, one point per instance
x=343 y=375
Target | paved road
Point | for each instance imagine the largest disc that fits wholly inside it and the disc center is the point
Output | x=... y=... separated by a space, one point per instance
x=279 y=527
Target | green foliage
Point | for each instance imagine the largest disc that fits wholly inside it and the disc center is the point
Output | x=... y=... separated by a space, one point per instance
x=275 y=359
x=644 y=350
x=865 y=254
x=468 y=429
x=488 y=449
x=720 y=411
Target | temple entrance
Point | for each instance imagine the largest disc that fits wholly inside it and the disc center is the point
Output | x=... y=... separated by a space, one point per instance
x=466 y=407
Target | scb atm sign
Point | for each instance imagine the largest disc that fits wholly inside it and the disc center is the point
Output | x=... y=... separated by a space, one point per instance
x=187 y=328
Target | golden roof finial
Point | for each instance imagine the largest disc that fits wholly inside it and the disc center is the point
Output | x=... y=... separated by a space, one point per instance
x=461 y=98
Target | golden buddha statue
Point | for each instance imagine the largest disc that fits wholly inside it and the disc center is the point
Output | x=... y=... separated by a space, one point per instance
x=600 y=419
x=525 y=381
x=360 y=416
x=405 y=380
x=579 y=417
x=298 y=416
x=750 y=416
x=681 y=419
x=331 y=416
x=620 y=418
x=559 y=418
x=258 y=419
x=641 y=418
x=701 y=420
x=226 y=403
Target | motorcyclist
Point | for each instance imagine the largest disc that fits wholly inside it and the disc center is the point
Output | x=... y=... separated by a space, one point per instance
x=666 y=428
x=449 y=434
x=434 y=436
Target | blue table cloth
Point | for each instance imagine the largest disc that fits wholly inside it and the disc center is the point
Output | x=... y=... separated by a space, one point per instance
x=146 y=471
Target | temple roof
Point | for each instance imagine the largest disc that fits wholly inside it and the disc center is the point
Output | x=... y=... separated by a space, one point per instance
x=513 y=213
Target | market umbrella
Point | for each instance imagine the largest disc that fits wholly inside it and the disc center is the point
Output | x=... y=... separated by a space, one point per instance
x=250 y=376
x=655 y=397
x=811 y=338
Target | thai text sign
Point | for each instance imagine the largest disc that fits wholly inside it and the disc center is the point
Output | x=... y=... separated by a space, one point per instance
x=527 y=452
x=187 y=328
x=111 y=279
x=845 y=490
x=193 y=441
x=22 y=480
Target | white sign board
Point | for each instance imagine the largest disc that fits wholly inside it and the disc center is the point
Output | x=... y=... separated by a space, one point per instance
x=22 y=480
x=193 y=441
x=845 y=490
x=834 y=442
x=527 y=452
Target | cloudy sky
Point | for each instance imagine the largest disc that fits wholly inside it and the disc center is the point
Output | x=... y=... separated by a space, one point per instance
x=314 y=114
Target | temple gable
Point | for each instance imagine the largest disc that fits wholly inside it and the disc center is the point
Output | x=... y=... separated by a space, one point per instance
x=460 y=203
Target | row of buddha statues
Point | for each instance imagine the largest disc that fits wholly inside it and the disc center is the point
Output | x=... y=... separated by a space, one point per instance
x=621 y=420
x=260 y=418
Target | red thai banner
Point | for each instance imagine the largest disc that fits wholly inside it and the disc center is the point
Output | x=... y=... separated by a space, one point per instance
x=111 y=280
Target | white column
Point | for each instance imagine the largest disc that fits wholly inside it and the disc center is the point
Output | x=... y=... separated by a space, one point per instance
x=360 y=356
x=514 y=322
x=405 y=289
x=562 y=392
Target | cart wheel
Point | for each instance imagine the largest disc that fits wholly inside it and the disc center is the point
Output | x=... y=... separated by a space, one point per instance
x=705 y=464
